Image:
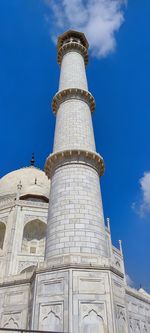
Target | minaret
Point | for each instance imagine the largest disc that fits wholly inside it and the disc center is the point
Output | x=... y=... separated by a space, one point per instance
x=75 y=221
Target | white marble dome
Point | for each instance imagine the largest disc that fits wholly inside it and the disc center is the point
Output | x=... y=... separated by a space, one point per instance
x=33 y=181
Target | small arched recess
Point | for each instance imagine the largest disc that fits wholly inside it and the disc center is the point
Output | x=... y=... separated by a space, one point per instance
x=34 y=234
x=2 y=234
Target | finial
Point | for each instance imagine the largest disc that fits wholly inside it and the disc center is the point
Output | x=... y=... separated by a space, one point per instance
x=120 y=246
x=32 y=160
x=19 y=186
x=108 y=223
x=140 y=285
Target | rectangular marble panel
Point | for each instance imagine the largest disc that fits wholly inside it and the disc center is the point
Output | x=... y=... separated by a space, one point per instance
x=14 y=298
x=51 y=287
x=118 y=289
x=51 y=317
x=91 y=286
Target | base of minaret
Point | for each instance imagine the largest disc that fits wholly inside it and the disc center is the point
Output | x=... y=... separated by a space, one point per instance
x=79 y=299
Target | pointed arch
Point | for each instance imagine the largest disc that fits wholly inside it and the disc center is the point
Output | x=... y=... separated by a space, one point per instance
x=51 y=322
x=11 y=323
x=34 y=234
x=92 y=322
x=2 y=234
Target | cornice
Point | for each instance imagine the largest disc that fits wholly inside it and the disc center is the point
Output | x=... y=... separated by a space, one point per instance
x=27 y=203
x=73 y=93
x=20 y=279
x=78 y=266
x=68 y=47
x=74 y=156
x=135 y=293
x=12 y=203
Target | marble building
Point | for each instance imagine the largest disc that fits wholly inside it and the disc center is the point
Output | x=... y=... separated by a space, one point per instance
x=59 y=270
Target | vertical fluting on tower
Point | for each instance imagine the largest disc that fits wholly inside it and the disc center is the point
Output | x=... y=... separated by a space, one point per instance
x=75 y=219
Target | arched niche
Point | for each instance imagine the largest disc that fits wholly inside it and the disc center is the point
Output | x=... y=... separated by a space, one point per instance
x=2 y=234
x=34 y=234
x=92 y=323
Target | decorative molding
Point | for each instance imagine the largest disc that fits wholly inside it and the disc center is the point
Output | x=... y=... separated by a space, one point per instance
x=135 y=293
x=53 y=265
x=17 y=280
x=7 y=203
x=29 y=218
x=66 y=157
x=67 y=47
x=72 y=93
x=36 y=204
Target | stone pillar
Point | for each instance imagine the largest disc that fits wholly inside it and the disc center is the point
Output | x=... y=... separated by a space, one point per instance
x=75 y=221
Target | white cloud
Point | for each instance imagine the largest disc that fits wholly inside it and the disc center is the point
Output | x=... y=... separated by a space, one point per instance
x=129 y=281
x=143 y=206
x=145 y=189
x=98 y=19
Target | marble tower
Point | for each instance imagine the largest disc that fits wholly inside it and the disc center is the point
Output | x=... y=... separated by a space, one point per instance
x=79 y=285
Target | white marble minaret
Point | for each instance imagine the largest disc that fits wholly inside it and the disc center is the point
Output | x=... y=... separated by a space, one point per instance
x=80 y=287
x=75 y=224
x=79 y=257
x=81 y=263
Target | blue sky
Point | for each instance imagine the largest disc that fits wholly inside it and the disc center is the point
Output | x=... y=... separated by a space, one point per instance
x=119 y=81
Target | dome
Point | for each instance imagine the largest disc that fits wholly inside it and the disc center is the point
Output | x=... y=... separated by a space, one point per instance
x=33 y=181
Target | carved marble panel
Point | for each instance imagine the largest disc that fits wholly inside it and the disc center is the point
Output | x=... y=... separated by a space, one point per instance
x=51 y=317
x=121 y=319
x=137 y=326
x=11 y=320
x=144 y=328
x=92 y=318
x=134 y=308
x=147 y=311
x=141 y=310
x=131 y=326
